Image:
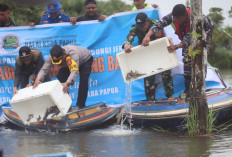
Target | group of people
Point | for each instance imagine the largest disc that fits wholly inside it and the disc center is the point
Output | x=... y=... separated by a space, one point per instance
x=74 y=60
x=148 y=29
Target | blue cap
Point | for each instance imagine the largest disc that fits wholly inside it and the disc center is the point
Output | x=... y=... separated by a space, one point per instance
x=53 y=7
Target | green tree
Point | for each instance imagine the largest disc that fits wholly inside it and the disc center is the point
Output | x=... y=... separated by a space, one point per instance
x=187 y=4
x=73 y=8
x=220 y=54
x=216 y=16
x=230 y=12
x=112 y=6
x=25 y=11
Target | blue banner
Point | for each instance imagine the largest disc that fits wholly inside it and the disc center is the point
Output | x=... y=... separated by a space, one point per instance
x=103 y=39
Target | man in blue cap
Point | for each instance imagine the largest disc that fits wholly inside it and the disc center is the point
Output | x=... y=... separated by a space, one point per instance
x=54 y=15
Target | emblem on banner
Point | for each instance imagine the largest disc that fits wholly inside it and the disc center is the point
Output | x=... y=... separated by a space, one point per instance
x=10 y=43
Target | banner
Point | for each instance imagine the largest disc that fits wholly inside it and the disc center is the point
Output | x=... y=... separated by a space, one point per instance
x=103 y=39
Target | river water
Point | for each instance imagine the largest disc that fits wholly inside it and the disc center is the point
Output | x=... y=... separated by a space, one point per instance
x=116 y=141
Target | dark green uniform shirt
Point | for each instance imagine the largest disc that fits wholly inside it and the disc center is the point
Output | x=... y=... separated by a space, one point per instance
x=140 y=34
x=10 y=24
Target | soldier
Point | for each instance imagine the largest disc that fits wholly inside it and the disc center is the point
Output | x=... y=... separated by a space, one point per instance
x=72 y=61
x=29 y=62
x=142 y=26
x=5 y=19
x=180 y=17
x=54 y=15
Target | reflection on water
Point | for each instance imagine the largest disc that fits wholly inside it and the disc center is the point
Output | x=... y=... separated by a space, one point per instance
x=113 y=141
x=116 y=141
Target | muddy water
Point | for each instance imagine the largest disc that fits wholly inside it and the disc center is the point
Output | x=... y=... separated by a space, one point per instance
x=116 y=141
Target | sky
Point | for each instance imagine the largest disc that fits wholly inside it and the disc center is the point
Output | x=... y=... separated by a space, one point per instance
x=167 y=5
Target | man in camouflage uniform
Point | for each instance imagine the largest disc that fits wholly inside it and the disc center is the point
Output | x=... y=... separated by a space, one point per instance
x=140 y=29
x=180 y=19
x=5 y=20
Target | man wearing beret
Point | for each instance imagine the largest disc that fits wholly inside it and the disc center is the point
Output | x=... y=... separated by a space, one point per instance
x=54 y=15
x=72 y=61
x=29 y=62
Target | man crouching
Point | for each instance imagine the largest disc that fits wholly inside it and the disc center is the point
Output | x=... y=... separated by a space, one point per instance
x=72 y=61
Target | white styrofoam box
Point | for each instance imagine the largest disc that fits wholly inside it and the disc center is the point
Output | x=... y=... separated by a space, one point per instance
x=146 y=61
x=44 y=102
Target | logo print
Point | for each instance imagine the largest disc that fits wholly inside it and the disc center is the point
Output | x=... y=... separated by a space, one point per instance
x=51 y=7
x=10 y=44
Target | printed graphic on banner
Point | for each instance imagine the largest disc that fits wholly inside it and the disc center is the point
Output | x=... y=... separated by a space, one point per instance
x=103 y=39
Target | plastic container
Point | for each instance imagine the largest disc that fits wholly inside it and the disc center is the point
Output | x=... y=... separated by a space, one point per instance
x=47 y=101
x=146 y=61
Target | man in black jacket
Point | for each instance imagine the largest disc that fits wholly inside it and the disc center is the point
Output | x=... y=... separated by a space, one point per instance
x=29 y=62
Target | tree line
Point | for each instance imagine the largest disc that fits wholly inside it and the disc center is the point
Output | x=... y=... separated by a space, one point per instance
x=220 y=55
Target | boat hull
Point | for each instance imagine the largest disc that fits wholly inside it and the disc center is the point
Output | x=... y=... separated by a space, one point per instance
x=75 y=120
x=172 y=113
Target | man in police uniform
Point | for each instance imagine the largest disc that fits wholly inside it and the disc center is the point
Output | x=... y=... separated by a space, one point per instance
x=142 y=26
x=5 y=20
x=29 y=62
x=53 y=14
x=72 y=61
x=180 y=17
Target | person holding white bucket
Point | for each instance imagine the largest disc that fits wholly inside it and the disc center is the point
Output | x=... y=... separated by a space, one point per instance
x=140 y=29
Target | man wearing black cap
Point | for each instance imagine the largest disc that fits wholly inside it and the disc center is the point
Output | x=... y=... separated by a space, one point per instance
x=72 y=61
x=29 y=62
x=54 y=15
x=140 y=29
x=91 y=12
x=5 y=20
x=180 y=18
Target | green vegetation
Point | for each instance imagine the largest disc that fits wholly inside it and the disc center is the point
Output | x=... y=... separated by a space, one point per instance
x=211 y=119
x=220 y=53
x=192 y=124
x=191 y=120
x=25 y=11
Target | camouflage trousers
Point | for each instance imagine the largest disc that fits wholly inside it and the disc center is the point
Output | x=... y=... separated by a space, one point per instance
x=187 y=65
x=150 y=86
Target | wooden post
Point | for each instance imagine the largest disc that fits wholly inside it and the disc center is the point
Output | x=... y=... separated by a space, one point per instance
x=197 y=87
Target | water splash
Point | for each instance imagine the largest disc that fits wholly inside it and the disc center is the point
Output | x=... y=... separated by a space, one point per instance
x=127 y=110
x=116 y=130
x=128 y=98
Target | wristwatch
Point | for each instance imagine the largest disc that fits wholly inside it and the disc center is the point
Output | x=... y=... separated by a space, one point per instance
x=176 y=47
x=68 y=83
